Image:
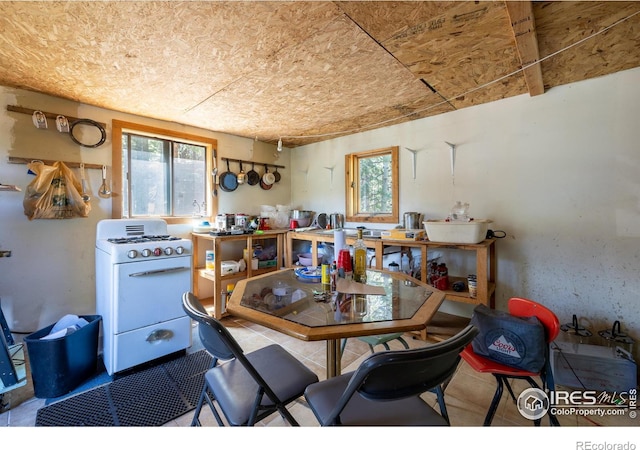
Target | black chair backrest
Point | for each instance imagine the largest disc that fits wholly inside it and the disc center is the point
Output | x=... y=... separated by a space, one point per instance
x=221 y=344
x=405 y=373
x=215 y=338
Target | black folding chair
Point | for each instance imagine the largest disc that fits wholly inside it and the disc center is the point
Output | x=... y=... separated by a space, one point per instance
x=246 y=387
x=386 y=387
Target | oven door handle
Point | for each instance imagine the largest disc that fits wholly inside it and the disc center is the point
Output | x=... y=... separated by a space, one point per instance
x=159 y=271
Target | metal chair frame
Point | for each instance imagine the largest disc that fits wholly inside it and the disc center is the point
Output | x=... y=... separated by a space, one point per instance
x=391 y=380
x=229 y=360
x=520 y=307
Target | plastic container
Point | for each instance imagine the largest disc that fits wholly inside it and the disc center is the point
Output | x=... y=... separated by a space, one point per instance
x=305 y=259
x=227 y=267
x=60 y=365
x=210 y=260
x=472 y=232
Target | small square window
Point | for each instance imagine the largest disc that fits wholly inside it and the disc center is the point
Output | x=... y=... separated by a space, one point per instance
x=372 y=186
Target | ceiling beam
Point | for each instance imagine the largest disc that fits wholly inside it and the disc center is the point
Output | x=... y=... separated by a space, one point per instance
x=524 y=30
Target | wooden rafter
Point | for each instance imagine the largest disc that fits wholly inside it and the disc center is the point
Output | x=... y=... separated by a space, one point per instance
x=524 y=32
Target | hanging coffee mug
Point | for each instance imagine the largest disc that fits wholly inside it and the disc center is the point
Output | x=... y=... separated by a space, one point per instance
x=39 y=120
x=62 y=124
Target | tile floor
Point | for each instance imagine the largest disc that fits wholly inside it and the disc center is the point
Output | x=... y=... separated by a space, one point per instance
x=467 y=396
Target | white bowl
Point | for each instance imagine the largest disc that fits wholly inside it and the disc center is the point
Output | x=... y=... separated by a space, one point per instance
x=305 y=259
x=303 y=222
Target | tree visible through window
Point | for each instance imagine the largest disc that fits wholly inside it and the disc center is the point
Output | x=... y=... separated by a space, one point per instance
x=372 y=186
x=163 y=175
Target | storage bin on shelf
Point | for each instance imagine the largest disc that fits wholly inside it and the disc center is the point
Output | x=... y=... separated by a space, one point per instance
x=472 y=232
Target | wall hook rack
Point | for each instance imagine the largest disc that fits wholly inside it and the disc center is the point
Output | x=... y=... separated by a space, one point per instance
x=48 y=115
x=413 y=155
x=244 y=161
x=330 y=169
x=452 y=155
x=49 y=162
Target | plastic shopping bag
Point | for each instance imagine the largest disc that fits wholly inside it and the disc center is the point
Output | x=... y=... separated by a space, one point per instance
x=54 y=193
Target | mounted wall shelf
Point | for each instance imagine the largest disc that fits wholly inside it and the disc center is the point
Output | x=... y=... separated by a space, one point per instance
x=9 y=187
x=49 y=162
x=48 y=115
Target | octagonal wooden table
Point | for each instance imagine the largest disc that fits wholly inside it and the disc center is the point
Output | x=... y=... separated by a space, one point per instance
x=390 y=302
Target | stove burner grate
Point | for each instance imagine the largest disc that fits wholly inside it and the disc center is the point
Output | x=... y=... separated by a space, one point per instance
x=142 y=239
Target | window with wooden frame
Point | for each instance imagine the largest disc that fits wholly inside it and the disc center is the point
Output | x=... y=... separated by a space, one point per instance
x=371 y=179
x=161 y=173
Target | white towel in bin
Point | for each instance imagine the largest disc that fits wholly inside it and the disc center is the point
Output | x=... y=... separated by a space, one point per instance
x=65 y=326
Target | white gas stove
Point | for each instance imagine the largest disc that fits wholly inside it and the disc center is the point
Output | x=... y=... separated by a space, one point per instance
x=141 y=274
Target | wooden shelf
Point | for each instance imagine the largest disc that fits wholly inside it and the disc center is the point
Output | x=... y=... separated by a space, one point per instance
x=443 y=326
x=9 y=188
x=485 y=252
x=219 y=280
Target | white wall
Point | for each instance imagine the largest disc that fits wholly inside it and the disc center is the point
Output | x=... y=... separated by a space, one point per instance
x=559 y=172
x=52 y=269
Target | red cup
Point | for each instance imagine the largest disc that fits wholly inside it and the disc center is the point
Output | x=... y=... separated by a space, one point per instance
x=293 y=224
x=344 y=260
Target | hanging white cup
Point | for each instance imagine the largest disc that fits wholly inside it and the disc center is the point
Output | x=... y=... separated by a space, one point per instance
x=62 y=124
x=39 y=119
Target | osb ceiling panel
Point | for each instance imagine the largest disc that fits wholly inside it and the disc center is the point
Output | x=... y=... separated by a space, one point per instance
x=562 y=24
x=305 y=71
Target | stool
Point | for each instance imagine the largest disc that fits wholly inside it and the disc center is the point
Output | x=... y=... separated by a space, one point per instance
x=378 y=339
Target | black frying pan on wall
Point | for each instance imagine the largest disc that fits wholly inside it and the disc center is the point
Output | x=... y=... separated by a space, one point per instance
x=228 y=180
x=253 y=177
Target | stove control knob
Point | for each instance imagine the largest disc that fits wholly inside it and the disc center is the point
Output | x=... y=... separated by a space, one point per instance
x=146 y=252
x=168 y=251
x=179 y=250
x=157 y=251
x=132 y=253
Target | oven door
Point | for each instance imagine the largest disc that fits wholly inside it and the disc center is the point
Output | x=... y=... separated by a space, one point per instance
x=149 y=292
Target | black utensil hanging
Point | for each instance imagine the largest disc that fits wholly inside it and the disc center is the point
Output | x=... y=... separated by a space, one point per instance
x=253 y=177
x=277 y=175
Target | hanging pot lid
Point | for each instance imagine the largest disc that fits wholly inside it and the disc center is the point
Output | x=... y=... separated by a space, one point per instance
x=268 y=177
x=253 y=177
x=228 y=180
x=277 y=175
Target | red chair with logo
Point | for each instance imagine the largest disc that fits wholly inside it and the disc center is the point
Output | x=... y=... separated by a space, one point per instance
x=520 y=307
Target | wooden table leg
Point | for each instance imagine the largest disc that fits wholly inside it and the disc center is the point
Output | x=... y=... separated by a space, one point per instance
x=333 y=358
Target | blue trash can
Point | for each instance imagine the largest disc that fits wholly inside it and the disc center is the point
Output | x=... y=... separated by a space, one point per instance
x=60 y=365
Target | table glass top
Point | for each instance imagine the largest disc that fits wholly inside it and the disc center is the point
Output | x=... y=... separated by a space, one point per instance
x=283 y=294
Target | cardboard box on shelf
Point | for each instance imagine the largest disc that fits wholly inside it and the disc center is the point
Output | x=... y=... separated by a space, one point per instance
x=403 y=235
